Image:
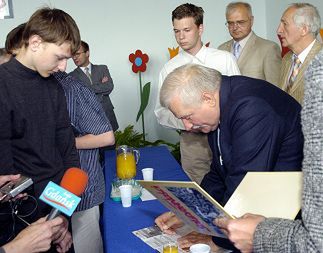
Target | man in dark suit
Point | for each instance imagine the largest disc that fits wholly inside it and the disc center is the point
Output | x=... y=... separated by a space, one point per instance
x=252 y=125
x=97 y=78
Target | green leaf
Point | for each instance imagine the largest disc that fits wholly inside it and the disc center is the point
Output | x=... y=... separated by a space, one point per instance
x=144 y=100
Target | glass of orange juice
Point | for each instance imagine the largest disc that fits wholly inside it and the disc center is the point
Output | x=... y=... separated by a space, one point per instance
x=170 y=247
x=126 y=161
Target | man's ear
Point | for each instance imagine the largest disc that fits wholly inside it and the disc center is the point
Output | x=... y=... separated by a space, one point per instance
x=209 y=98
x=251 y=20
x=34 y=42
x=305 y=30
x=201 y=29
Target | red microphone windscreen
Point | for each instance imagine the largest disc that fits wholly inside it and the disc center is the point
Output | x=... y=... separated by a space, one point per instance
x=75 y=181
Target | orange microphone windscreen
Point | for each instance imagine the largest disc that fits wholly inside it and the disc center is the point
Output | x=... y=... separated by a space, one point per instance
x=75 y=181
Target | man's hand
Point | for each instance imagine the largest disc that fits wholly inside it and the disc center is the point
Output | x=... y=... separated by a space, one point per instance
x=240 y=231
x=60 y=231
x=193 y=238
x=35 y=238
x=5 y=179
x=65 y=244
x=105 y=79
x=62 y=237
x=168 y=222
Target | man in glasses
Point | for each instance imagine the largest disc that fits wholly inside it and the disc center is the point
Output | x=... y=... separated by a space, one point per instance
x=256 y=57
x=97 y=78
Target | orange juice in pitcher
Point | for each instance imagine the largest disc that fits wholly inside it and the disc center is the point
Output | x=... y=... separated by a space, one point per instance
x=126 y=160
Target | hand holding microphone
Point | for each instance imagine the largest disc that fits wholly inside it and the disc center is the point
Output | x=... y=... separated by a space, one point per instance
x=64 y=198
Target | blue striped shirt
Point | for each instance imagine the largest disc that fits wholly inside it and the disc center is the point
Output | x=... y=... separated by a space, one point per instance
x=87 y=117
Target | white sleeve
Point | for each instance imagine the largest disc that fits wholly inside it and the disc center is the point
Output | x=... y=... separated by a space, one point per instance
x=164 y=116
x=232 y=66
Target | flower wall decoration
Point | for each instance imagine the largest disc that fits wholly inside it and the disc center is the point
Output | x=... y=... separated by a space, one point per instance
x=173 y=52
x=139 y=65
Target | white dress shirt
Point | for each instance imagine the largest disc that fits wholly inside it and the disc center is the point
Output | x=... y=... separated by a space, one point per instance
x=220 y=60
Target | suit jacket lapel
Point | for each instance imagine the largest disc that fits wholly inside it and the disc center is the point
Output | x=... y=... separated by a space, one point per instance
x=82 y=76
x=247 y=48
x=227 y=46
x=285 y=69
x=300 y=76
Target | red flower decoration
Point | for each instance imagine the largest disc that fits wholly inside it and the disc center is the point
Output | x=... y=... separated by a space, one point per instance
x=138 y=60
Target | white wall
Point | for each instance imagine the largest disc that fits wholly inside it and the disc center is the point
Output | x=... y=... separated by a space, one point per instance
x=114 y=29
x=275 y=9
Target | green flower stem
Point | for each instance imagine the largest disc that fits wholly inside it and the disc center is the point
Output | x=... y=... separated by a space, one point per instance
x=142 y=115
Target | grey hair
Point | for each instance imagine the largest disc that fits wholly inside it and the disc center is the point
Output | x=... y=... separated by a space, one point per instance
x=188 y=82
x=232 y=6
x=308 y=15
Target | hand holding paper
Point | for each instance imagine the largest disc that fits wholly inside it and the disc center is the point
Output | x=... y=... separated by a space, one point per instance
x=240 y=231
x=168 y=222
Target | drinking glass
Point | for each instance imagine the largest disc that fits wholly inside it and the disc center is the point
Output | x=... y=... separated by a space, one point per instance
x=170 y=247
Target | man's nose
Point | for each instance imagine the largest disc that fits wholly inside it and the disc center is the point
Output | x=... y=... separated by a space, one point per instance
x=279 y=29
x=181 y=35
x=188 y=125
x=62 y=65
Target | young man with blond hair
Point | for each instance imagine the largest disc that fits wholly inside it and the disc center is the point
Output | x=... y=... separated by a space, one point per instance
x=188 y=28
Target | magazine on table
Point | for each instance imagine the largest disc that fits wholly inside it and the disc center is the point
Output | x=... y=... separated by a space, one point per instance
x=272 y=194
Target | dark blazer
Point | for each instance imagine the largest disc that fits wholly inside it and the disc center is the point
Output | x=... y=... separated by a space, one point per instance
x=260 y=130
x=101 y=89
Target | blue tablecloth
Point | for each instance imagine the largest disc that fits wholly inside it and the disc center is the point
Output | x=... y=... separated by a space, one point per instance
x=119 y=222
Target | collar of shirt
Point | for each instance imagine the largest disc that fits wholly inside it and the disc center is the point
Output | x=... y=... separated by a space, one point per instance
x=244 y=41
x=88 y=66
x=199 y=58
x=305 y=52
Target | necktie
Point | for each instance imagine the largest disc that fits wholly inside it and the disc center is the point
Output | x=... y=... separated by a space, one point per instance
x=296 y=66
x=87 y=73
x=236 y=49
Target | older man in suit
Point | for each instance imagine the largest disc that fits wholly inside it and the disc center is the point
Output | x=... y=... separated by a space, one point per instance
x=97 y=78
x=298 y=28
x=254 y=233
x=251 y=125
x=256 y=57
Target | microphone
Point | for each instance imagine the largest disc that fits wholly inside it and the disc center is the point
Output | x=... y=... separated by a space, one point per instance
x=74 y=181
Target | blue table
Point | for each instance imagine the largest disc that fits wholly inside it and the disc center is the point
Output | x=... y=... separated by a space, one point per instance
x=119 y=222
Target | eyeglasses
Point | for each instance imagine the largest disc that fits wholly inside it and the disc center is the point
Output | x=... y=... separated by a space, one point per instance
x=78 y=54
x=239 y=23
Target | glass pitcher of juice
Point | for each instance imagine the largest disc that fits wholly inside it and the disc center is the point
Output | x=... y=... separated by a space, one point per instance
x=127 y=158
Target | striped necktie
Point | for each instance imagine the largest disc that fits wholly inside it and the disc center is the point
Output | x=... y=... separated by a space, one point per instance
x=87 y=73
x=236 y=49
x=295 y=69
